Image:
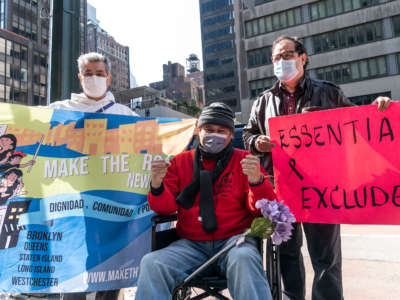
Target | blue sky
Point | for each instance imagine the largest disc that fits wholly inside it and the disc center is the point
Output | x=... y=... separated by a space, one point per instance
x=156 y=31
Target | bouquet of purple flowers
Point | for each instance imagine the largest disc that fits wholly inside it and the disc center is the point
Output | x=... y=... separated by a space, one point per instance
x=276 y=221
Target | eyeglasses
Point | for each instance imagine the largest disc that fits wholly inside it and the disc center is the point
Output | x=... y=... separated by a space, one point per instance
x=284 y=55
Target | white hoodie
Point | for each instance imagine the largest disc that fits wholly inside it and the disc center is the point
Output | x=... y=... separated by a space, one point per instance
x=79 y=102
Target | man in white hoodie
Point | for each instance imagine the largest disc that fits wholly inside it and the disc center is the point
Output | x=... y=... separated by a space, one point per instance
x=95 y=77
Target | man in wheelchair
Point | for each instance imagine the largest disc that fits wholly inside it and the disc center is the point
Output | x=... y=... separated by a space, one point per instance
x=213 y=189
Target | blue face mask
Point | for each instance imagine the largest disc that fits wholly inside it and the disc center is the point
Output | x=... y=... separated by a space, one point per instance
x=285 y=70
x=214 y=142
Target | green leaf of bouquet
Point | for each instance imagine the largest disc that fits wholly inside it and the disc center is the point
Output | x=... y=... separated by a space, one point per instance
x=261 y=228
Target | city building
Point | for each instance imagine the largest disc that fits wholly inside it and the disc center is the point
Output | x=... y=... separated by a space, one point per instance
x=193 y=73
x=98 y=40
x=24 y=43
x=353 y=43
x=178 y=86
x=218 y=28
x=83 y=19
x=198 y=91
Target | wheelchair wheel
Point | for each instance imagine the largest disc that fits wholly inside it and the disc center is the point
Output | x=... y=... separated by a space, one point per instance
x=181 y=293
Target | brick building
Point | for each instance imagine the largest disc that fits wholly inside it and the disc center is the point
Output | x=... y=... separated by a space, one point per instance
x=178 y=86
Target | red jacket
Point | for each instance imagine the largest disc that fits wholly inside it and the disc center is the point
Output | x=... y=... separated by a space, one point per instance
x=234 y=198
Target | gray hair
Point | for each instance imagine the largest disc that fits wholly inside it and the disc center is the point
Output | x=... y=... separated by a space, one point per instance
x=93 y=57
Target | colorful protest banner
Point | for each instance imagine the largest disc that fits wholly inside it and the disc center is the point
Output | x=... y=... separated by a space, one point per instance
x=339 y=166
x=73 y=209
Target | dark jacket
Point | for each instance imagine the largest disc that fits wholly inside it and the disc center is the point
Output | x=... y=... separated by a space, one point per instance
x=314 y=95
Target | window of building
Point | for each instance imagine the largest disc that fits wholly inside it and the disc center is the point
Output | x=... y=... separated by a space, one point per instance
x=328 y=8
x=43 y=60
x=36 y=100
x=2 y=71
x=348 y=37
x=25 y=17
x=259 y=2
x=214 y=5
x=13 y=72
x=217 y=62
x=219 y=76
x=15 y=27
x=2 y=49
x=229 y=89
x=219 y=32
x=9 y=50
x=354 y=71
x=2 y=91
x=367 y=99
x=7 y=95
x=217 y=92
x=259 y=57
x=2 y=14
x=24 y=75
x=219 y=47
x=218 y=19
x=398 y=62
x=258 y=86
x=226 y=61
x=396 y=25
x=273 y=22
x=45 y=36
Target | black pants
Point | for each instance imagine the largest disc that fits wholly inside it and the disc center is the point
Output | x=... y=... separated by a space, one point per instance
x=101 y=295
x=324 y=247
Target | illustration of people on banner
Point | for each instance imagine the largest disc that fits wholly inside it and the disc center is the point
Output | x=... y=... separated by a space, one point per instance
x=11 y=185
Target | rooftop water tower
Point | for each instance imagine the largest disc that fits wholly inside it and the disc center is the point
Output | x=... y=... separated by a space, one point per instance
x=192 y=63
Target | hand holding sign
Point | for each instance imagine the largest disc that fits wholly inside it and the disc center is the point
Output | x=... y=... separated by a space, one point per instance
x=251 y=167
x=158 y=171
x=263 y=144
x=383 y=103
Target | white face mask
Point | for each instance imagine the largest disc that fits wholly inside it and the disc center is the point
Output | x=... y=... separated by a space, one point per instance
x=94 y=86
x=285 y=70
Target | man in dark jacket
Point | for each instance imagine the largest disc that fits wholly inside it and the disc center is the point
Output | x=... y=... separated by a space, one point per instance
x=294 y=93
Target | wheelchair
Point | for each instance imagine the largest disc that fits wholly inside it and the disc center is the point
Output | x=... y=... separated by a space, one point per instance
x=199 y=285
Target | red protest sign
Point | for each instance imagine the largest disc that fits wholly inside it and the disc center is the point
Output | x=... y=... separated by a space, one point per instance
x=340 y=165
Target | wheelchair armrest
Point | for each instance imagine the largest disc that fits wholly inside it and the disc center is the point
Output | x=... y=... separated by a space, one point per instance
x=161 y=239
x=159 y=219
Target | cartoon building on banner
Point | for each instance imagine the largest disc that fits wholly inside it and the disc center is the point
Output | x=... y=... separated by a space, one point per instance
x=9 y=228
x=3 y=211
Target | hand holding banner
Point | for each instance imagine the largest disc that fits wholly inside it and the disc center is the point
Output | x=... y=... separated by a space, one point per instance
x=79 y=219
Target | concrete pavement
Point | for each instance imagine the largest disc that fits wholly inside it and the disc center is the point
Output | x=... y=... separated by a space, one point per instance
x=371 y=263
